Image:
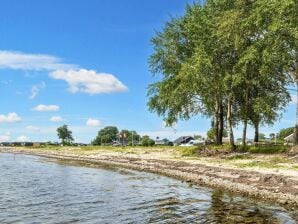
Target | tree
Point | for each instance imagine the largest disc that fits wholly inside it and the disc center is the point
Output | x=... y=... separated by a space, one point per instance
x=65 y=135
x=183 y=49
x=106 y=136
x=285 y=133
x=262 y=136
x=230 y=60
x=131 y=137
x=211 y=133
x=272 y=136
x=147 y=141
x=197 y=137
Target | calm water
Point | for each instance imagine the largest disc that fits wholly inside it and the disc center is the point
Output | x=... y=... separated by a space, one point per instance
x=35 y=190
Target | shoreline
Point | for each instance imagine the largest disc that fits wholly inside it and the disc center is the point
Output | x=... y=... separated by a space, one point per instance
x=274 y=188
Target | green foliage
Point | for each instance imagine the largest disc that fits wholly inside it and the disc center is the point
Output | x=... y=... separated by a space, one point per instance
x=189 y=151
x=106 y=136
x=285 y=133
x=211 y=133
x=262 y=136
x=130 y=137
x=233 y=55
x=272 y=136
x=267 y=149
x=65 y=135
x=147 y=141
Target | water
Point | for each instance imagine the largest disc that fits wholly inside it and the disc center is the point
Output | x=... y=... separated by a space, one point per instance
x=36 y=190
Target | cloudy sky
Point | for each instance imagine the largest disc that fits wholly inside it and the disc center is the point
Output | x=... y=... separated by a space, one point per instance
x=85 y=64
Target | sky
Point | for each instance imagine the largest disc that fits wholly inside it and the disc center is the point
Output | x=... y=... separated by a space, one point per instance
x=85 y=64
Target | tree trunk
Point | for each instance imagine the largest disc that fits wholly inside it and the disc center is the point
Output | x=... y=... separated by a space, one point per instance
x=245 y=117
x=244 y=132
x=296 y=126
x=230 y=123
x=256 y=139
x=216 y=122
x=220 y=124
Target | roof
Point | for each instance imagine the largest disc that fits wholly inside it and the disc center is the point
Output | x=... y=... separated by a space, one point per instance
x=290 y=137
x=183 y=139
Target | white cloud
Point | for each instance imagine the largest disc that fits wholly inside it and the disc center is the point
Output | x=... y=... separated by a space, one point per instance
x=56 y=119
x=5 y=137
x=32 y=128
x=23 y=61
x=42 y=107
x=35 y=89
x=9 y=118
x=22 y=138
x=89 y=81
x=93 y=123
x=79 y=80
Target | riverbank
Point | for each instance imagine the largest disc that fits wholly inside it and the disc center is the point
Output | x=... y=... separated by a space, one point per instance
x=266 y=177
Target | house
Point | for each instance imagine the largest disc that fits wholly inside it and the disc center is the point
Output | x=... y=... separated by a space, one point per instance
x=160 y=142
x=163 y=142
x=183 y=140
x=290 y=138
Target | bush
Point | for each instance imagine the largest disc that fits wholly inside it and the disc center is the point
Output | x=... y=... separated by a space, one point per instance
x=146 y=141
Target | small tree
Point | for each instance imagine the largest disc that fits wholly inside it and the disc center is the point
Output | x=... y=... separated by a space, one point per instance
x=272 y=136
x=65 y=135
x=147 y=141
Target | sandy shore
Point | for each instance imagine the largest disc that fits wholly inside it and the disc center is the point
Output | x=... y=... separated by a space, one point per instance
x=265 y=184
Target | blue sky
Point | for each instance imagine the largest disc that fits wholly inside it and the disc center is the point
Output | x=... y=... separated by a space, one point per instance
x=85 y=64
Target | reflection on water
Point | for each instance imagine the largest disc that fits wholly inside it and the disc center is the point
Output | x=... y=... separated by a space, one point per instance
x=33 y=190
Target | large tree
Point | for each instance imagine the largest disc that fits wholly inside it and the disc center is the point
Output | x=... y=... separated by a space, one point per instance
x=106 y=135
x=65 y=135
x=191 y=72
x=227 y=59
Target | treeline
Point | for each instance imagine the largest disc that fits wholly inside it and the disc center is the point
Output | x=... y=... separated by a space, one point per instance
x=111 y=135
x=230 y=60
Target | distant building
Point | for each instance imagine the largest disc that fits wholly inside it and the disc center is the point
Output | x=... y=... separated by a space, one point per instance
x=5 y=144
x=163 y=142
x=27 y=143
x=290 y=138
x=183 y=140
x=160 y=142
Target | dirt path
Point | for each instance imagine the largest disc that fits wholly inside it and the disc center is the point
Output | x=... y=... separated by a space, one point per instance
x=266 y=186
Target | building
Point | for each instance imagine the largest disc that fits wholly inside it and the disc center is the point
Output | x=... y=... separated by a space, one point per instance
x=183 y=140
x=290 y=138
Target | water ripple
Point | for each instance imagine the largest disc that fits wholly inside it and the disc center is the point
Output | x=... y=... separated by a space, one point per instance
x=35 y=190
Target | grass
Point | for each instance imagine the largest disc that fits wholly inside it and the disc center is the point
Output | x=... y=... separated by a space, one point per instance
x=189 y=151
x=274 y=162
x=268 y=149
x=183 y=151
x=238 y=156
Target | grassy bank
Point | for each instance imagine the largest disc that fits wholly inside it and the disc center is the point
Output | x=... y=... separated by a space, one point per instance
x=249 y=157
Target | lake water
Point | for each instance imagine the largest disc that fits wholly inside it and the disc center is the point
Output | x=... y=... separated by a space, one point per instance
x=38 y=190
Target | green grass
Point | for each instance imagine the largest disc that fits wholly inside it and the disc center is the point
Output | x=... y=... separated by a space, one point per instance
x=268 y=149
x=274 y=162
x=189 y=151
